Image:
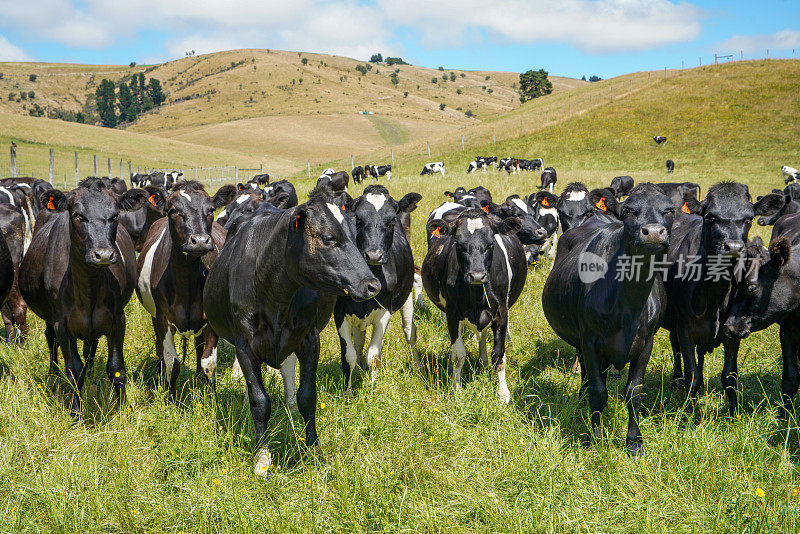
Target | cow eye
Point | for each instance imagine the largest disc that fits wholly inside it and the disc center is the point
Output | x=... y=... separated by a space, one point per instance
x=328 y=239
x=752 y=287
x=669 y=211
x=79 y=217
x=114 y=217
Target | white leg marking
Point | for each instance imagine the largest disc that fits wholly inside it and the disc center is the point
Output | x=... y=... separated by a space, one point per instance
x=502 y=386
x=236 y=370
x=410 y=329
x=458 y=355
x=144 y=283
x=376 y=342
x=350 y=354
x=287 y=372
x=417 y=291
x=209 y=365
x=262 y=462
x=170 y=354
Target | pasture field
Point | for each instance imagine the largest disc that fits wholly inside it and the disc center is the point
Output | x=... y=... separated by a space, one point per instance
x=407 y=455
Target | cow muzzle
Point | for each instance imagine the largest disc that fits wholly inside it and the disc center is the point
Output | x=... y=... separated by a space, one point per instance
x=476 y=277
x=736 y=328
x=653 y=235
x=198 y=244
x=732 y=248
x=101 y=257
x=367 y=289
x=375 y=257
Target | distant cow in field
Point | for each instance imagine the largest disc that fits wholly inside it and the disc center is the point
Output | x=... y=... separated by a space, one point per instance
x=549 y=179
x=358 y=174
x=537 y=164
x=670 y=165
x=376 y=171
x=336 y=181
x=790 y=174
x=621 y=185
x=433 y=168
x=474 y=272
x=258 y=181
x=660 y=140
x=612 y=321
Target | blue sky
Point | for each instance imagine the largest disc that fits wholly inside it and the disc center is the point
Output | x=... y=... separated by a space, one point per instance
x=568 y=37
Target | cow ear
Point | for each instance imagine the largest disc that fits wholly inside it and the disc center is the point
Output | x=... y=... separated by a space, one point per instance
x=157 y=198
x=343 y=200
x=300 y=217
x=490 y=207
x=780 y=251
x=408 y=203
x=54 y=200
x=132 y=200
x=438 y=228
x=769 y=204
x=510 y=226
x=449 y=194
x=225 y=195
x=604 y=200
x=690 y=204
x=546 y=199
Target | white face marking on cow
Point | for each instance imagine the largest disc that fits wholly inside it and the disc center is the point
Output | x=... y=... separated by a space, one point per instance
x=474 y=224
x=145 y=277
x=444 y=208
x=336 y=212
x=187 y=197
x=268 y=191
x=377 y=200
x=10 y=196
x=499 y=239
x=242 y=199
x=576 y=195
x=253 y=186
x=520 y=204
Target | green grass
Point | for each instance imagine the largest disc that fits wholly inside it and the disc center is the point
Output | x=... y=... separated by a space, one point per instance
x=407 y=454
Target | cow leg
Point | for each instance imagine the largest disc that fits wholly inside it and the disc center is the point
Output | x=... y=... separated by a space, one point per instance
x=52 y=347
x=89 y=351
x=500 y=330
x=730 y=373
x=349 y=354
x=115 y=367
x=206 y=350
x=410 y=330
x=260 y=407
x=551 y=187
x=693 y=378
x=236 y=369
x=458 y=352
x=287 y=373
x=20 y=318
x=790 y=374
x=307 y=392
x=376 y=343
x=172 y=364
x=596 y=386
x=73 y=367
x=633 y=398
x=482 y=352
x=8 y=323
x=677 y=368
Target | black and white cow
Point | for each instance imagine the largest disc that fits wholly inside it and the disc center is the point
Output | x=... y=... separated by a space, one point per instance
x=549 y=179
x=543 y=205
x=377 y=171
x=382 y=241
x=789 y=174
x=358 y=174
x=537 y=164
x=474 y=272
x=281 y=194
x=336 y=181
x=573 y=206
x=481 y=162
x=621 y=186
x=163 y=179
x=245 y=200
x=258 y=181
x=670 y=165
x=660 y=140
x=433 y=168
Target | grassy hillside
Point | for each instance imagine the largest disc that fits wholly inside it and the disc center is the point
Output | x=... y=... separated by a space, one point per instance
x=408 y=455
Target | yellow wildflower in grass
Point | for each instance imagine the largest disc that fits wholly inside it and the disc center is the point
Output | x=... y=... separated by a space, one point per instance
x=322 y=405
x=215 y=481
x=760 y=493
x=430 y=439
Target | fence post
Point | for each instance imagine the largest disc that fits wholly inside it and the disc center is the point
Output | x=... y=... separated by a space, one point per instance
x=648 y=77
x=520 y=127
x=767 y=53
x=392 y=158
x=546 y=117
x=429 y=148
x=76 y=170
x=130 y=169
x=493 y=138
x=352 y=162
x=52 y=165
x=462 y=142
x=236 y=171
x=121 y=175
x=612 y=92
x=13 y=160
x=699 y=62
x=94 y=159
x=109 y=167
x=665 y=73
x=309 y=168
x=681 y=64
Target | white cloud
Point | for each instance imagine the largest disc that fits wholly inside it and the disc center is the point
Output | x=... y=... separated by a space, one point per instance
x=11 y=52
x=780 y=40
x=358 y=28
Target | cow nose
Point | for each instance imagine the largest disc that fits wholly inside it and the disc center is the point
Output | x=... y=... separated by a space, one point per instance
x=762 y=221
x=732 y=247
x=477 y=277
x=102 y=257
x=653 y=233
x=736 y=329
x=373 y=287
x=374 y=256
x=199 y=243
x=540 y=233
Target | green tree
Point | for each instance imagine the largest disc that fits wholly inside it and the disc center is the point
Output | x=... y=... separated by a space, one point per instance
x=533 y=84
x=362 y=69
x=31 y=95
x=127 y=106
x=595 y=78
x=106 y=99
x=155 y=93
x=376 y=58
x=32 y=77
x=304 y=61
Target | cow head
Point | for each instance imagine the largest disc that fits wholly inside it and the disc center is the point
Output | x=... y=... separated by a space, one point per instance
x=322 y=252
x=727 y=216
x=769 y=289
x=281 y=194
x=646 y=216
x=190 y=211
x=573 y=206
x=93 y=217
x=376 y=217
x=475 y=235
x=772 y=207
x=530 y=232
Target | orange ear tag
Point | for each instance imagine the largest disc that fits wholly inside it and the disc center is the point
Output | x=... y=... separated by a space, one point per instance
x=685 y=208
x=152 y=200
x=50 y=204
x=601 y=204
x=486 y=209
x=545 y=202
x=296 y=222
x=436 y=232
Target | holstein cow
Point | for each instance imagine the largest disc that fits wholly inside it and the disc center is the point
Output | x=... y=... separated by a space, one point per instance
x=772 y=295
x=258 y=181
x=271 y=301
x=16 y=196
x=336 y=181
x=542 y=204
x=573 y=206
x=138 y=222
x=78 y=275
x=433 y=168
x=163 y=179
x=549 y=179
x=474 y=272
x=699 y=298
x=530 y=232
x=621 y=185
x=670 y=165
x=274 y=194
x=138 y=179
x=173 y=267
x=244 y=202
x=14 y=311
x=377 y=171
x=358 y=174
x=611 y=322
x=383 y=243
x=660 y=140
x=793 y=190
x=537 y=164
x=790 y=174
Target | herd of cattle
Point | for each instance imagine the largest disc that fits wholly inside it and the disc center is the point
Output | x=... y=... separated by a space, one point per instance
x=254 y=266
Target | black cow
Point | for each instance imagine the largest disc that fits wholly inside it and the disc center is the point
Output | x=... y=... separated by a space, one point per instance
x=621 y=185
x=699 y=298
x=677 y=191
x=474 y=272
x=172 y=268
x=771 y=295
x=780 y=204
x=258 y=181
x=336 y=181
x=611 y=322
x=573 y=206
x=272 y=301
x=246 y=202
x=14 y=310
x=549 y=179
x=78 y=275
x=530 y=232
x=281 y=194
x=358 y=174
x=379 y=170
x=793 y=190
x=660 y=140
x=115 y=185
x=382 y=241
x=670 y=165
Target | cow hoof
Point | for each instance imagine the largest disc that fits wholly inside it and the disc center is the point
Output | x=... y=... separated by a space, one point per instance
x=635 y=450
x=262 y=463
x=505 y=395
x=236 y=370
